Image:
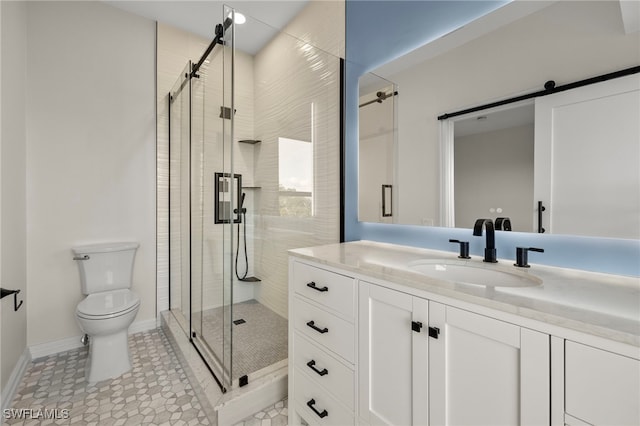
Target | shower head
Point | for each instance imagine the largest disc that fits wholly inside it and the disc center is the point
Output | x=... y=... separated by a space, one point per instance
x=242 y=200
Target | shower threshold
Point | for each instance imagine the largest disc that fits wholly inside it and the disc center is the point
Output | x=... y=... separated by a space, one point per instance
x=266 y=386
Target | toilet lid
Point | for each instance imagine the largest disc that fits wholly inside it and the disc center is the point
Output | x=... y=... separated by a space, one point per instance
x=108 y=303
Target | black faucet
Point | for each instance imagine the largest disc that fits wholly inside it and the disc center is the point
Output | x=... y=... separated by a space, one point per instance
x=490 y=249
x=503 y=223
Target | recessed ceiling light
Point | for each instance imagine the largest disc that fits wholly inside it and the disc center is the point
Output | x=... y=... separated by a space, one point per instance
x=239 y=18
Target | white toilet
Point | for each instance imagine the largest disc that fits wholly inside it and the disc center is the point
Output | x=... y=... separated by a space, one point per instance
x=110 y=306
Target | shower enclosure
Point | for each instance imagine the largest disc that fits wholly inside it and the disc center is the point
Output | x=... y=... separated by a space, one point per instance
x=254 y=170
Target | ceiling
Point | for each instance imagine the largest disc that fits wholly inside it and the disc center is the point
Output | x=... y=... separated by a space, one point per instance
x=200 y=17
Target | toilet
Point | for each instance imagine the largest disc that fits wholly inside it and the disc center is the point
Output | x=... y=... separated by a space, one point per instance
x=110 y=307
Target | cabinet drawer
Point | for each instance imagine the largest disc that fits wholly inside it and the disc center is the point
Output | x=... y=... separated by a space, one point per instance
x=328 y=330
x=601 y=387
x=324 y=369
x=328 y=411
x=327 y=288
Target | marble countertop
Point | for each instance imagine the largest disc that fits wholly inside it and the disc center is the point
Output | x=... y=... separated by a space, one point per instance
x=602 y=305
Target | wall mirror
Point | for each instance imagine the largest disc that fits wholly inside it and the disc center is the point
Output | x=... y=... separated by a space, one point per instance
x=503 y=161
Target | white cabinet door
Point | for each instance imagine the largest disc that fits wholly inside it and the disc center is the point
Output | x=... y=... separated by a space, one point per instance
x=587 y=146
x=601 y=388
x=393 y=359
x=486 y=372
x=422 y=362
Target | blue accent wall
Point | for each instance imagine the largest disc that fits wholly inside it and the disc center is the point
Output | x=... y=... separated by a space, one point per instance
x=380 y=31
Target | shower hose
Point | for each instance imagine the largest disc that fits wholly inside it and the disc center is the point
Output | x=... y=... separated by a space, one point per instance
x=243 y=211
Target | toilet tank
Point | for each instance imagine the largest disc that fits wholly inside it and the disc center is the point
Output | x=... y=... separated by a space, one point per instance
x=106 y=266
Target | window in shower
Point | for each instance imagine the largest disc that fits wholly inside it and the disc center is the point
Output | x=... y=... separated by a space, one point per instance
x=295 y=161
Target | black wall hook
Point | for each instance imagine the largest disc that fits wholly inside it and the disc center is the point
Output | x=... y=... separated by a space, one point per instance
x=4 y=293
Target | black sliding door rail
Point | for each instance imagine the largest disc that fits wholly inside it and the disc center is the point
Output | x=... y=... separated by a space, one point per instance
x=549 y=89
x=220 y=30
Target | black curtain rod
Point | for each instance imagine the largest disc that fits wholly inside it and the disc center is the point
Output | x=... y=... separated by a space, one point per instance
x=549 y=88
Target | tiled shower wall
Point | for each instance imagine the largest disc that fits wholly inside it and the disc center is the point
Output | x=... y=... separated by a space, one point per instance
x=297 y=97
x=174 y=49
x=289 y=76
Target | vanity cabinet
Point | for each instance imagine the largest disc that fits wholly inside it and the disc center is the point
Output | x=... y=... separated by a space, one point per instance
x=377 y=348
x=322 y=342
x=423 y=362
x=601 y=387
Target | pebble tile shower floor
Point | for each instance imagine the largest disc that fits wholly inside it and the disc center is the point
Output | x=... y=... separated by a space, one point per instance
x=155 y=392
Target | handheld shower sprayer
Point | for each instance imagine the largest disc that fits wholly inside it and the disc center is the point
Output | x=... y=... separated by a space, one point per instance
x=241 y=210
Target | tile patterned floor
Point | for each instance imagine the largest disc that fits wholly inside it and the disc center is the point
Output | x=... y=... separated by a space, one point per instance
x=275 y=415
x=155 y=392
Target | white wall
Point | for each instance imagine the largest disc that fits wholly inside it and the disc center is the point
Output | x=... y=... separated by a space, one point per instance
x=90 y=153
x=13 y=325
x=499 y=65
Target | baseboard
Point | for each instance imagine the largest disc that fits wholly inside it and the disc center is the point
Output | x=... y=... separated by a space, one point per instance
x=14 y=380
x=62 y=345
x=57 y=346
x=146 y=325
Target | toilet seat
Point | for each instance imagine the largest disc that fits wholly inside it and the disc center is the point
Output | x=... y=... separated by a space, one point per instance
x=108 y=304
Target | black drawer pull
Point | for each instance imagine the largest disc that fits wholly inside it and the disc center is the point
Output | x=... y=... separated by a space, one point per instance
x=319 y=330
x=322 y=414
x=320 y=289
x=322 y=372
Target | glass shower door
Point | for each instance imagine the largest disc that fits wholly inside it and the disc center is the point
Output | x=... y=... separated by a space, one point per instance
x=214 y=193
x=228 y=134
x=179 y=220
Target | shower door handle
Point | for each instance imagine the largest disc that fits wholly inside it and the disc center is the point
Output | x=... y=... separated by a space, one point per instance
x=319 y=330
x=311 y=364
x=320 y=289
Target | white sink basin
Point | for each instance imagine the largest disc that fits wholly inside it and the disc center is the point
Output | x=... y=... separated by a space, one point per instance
x=467 y=273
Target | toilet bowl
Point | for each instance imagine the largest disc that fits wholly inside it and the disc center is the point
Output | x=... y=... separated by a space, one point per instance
x=107 y=323
x=109 y=308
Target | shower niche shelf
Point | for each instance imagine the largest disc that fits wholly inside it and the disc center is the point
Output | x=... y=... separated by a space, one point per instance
x=250 y=141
